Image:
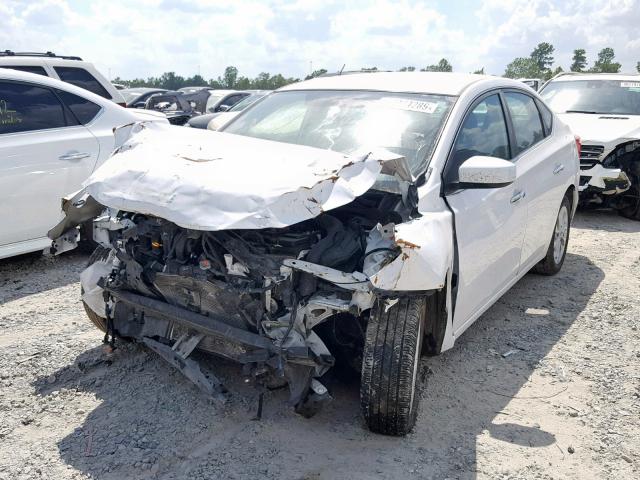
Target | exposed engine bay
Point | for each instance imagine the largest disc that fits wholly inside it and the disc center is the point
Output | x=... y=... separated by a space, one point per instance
x=252 y=296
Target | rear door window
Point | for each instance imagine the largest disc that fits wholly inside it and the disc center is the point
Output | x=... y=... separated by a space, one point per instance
x=27 y=68
x=525 y=118
x=83 y=79
x=25 y=108
x=84 y=110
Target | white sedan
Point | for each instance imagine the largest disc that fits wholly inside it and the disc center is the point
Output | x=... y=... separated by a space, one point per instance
x=52 y=136
x=347 y=221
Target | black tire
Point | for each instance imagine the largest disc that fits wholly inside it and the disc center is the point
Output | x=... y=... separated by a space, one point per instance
x=552 y=262
x=632 y=209
x=389 y=393
x=100 y=253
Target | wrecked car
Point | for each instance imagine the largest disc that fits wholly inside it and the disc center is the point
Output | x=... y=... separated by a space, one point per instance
x=339 y=223
x=604 y=111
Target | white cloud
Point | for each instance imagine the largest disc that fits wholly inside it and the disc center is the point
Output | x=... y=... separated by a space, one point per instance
x=149 y=37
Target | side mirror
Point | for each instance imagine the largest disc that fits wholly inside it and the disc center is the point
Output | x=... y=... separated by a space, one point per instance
x=223 y=108
x=486 y=172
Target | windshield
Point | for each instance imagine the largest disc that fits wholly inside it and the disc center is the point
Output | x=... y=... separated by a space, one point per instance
x=245 y=102
x=130 y=95
x=594 y=96
x=350 y=121
x=212 y=102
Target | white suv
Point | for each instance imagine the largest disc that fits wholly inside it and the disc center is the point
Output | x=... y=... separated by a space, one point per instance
x=68 y=69
x=52 y=136
x=604 y=110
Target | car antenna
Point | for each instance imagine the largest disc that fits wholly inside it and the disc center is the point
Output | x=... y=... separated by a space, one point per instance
x=343 y=65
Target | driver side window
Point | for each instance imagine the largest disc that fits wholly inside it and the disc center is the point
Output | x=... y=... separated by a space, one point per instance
x=483 y=132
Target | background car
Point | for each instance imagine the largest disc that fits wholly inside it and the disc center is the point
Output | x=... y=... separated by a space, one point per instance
x=604 y=111
x=224 y=116
x=69 y=69
x=137 y=97
x=176 y=106
x=52 y=136
x=340 y=217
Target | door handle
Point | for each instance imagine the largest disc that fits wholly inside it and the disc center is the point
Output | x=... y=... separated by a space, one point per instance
x=558 y=169
x=74 y=156
x=518 y=196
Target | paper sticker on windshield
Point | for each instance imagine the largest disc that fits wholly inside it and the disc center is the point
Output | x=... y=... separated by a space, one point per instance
x=630 y=84
x=411 y=105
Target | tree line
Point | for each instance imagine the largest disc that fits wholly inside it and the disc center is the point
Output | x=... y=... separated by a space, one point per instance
x=537 y=65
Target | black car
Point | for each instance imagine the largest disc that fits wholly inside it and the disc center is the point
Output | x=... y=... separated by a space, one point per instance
x=251 y=96
x=137 y=97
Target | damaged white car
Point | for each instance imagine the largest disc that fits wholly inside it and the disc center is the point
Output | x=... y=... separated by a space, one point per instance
x=357 y=221
x=604 y=111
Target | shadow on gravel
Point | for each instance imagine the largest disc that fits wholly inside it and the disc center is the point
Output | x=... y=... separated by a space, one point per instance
x=35 y=273
x=607 y=220
x=152 y=423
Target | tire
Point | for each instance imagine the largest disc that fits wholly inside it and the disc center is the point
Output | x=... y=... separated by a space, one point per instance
x=100 y=253
x=552 y=262
x=632 y=211
x=389 y=394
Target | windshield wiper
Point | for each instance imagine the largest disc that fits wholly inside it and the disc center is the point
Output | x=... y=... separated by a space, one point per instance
x=581 y=111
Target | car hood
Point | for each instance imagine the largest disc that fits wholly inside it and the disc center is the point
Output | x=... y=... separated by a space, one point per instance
x=215 y=181
x=607 y=130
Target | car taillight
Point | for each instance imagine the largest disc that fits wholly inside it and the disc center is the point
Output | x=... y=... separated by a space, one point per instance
x=122 y=104
x=578 y=144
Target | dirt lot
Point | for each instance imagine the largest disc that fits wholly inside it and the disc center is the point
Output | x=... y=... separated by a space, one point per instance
x=564 y=404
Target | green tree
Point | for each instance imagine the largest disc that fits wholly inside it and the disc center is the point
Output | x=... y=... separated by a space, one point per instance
x=229 y=78
x=195 y=81
x=442 y=66
x=407 y=69
x=316 y=73
x=479 y=72
x=638 y=67
x=605 y=63
x=579 y=60
x=522 y=67
x=542 y=55
x=170 y=81
x=369 y=69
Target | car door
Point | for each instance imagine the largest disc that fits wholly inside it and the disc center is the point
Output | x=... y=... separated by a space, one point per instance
x=540 y=159
x=489 y=222
x=43 y=151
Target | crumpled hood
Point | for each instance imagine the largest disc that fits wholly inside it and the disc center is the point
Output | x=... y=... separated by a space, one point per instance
x=607 y=130
x=208 y=180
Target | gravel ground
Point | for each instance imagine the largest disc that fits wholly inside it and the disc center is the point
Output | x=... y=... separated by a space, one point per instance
x=565 y=403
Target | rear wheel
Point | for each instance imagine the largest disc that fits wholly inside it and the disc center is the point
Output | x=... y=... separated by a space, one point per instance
x=389 y=393
x=100 y=253
x=552 y=262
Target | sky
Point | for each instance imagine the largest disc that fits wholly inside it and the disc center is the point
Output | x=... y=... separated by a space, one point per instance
x=142 y=38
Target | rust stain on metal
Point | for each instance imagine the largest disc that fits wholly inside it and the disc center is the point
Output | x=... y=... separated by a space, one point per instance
x=405 y=243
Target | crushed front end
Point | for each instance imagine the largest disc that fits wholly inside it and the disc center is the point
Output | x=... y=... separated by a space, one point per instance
x=610 y=178
x=255 y=296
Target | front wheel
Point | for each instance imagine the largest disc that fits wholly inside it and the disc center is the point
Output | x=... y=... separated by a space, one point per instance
x=552 y=262
x=389 y=393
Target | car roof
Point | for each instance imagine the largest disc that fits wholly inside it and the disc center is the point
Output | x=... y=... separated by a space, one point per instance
x=444 y=83
x=10 y=74
x=35 y=61
x=572 y=77
x=143 y=89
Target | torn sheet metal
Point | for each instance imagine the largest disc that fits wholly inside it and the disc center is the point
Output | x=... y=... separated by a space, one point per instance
x=216 y=181
x=425 y=258
x=610 y=180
